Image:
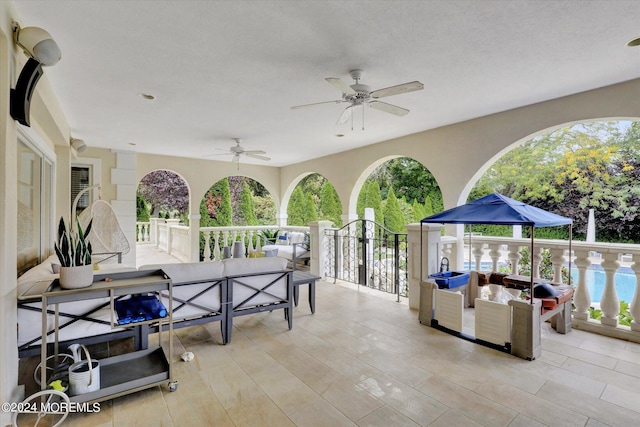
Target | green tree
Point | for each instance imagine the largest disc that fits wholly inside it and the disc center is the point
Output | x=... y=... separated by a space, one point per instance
x=142 y=211
x=215 y=207
x=393 y=218
x=247 y=214
x=374 y=201
x=362 y=200
x=295 y=208
x=310 y=211
x=419 y=212
x=330 y=206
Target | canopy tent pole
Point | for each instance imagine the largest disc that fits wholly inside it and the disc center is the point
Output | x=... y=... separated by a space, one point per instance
x=477 y=269
x=531 y=265
x=570 y=251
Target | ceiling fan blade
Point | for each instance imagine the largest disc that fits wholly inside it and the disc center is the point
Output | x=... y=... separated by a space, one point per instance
x=254 y=152
x=256 y=156
x=396 y=90
x=296 y=107
x=345 y=116
x=217 y=154
x=340 y=84
x=388 y=108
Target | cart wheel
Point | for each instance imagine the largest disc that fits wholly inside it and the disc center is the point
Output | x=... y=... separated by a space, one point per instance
x=65 y=360
x=32 y=410
x=173 y=385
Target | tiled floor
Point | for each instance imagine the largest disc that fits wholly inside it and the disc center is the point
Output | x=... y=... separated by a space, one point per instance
x=365 y=360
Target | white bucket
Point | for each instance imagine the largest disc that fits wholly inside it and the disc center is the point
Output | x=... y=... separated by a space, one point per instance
x=81 y=378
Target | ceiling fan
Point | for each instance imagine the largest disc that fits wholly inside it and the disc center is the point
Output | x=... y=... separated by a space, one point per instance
x=359 y=94
x=238 y=151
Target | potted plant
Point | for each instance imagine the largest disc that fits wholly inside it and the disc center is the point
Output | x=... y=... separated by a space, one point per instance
x=74 y=252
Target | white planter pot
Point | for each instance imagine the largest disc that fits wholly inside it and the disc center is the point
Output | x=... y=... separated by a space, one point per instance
x=76 y=277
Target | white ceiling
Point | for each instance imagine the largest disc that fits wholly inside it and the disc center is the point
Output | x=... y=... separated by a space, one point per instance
x=224 y=69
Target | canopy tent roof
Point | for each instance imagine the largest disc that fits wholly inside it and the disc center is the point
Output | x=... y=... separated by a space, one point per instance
x=498 y=209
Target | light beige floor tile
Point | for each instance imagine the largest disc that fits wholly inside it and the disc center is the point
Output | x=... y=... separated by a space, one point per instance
x=142 y=409
x=417 y=406
x=346 y=364
x=578 y=353
x=577 y=381
x=387 y=328
x=454 y=418
x=629 y=368
x=258 y=411
x=399 y=368
x=598 y=373
x=467 y=377
x=471 y=404
x=389 y=344
x=308 y=369
x=532 y=406
x=346 y=342
x=350 y=399
x=320 y=414
x=524 y=421
x=622 y=397
x=232 y=386
x=505 y=369
x=592 y=407
x=285 y=389
x=386 y=416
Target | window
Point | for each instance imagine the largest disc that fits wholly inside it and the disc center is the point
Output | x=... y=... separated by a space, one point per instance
x=35 y=188
x=80 y=179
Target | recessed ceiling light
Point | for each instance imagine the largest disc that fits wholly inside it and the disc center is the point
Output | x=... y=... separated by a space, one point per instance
x=340 y=135
x=132 y=143
x=146 y=96
x=634 y=42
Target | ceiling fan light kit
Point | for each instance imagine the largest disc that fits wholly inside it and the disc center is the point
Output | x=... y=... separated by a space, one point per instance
x=359 y=94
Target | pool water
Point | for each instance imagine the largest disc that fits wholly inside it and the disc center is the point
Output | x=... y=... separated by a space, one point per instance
x=625 y=281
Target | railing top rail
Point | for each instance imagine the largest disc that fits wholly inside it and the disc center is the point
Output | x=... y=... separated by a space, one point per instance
x=552 y=243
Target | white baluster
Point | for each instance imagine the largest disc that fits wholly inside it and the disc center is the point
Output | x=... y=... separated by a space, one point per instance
x=216 y=245
x=478 y=251
x=250 y=242
x=609 y=302
x=494 y=253
x=207 y=249
x=581 y=297
x=536 y=258
x=634 y=306
x=514 y=257
x=225 y=238
x=557 y=260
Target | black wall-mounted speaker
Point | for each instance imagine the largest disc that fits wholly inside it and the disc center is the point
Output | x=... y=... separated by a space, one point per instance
x=21 y=95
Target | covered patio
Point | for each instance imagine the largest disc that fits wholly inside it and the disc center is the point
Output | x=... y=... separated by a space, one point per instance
x=348 y=365
x=360 y=359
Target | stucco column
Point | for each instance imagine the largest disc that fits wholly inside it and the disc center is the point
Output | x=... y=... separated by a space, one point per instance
x=153 y=232
x=194 y=237
x=281 y=219
x=317 y=243
x=423 y=257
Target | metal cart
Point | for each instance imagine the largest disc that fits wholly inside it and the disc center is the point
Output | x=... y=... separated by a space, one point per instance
x=126 y=373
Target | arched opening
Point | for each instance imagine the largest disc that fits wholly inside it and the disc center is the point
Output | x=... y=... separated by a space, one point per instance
x=314 y=198
x=235 y=201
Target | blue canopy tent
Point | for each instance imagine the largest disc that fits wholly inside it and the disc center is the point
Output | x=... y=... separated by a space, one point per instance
x=498 y=209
